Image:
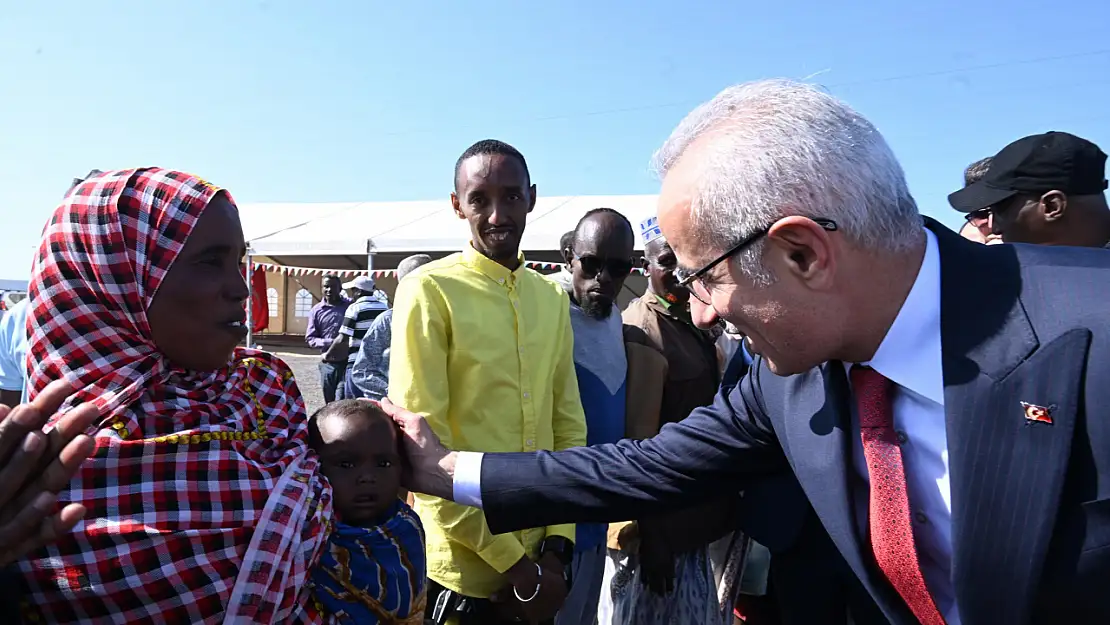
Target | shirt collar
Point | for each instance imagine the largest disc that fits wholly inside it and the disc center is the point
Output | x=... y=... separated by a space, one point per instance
x=674 y=311
x=491 y=269
x=368 y=299
x=910 y=354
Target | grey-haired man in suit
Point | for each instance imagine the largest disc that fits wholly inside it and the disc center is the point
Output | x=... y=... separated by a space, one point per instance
x=949 y=432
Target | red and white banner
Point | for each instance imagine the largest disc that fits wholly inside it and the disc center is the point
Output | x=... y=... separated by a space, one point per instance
x=312 y=271
x=378 y=273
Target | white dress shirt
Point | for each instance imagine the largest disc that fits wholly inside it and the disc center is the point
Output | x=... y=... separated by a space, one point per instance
x=909 y=356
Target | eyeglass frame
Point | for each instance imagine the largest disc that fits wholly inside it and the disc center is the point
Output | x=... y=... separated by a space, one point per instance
x=983 y=214
x=979 y=216
x=685 y=281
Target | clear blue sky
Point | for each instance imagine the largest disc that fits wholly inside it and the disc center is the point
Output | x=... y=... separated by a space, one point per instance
x=361 y=100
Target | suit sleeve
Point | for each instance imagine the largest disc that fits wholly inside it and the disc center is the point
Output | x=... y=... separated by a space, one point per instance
x=723 y=443
x=418 y=380
x=568 y=419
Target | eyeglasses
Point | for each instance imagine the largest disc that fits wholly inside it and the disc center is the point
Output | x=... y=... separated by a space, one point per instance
x=694 y=282
x=592 y=266
x=979 y=217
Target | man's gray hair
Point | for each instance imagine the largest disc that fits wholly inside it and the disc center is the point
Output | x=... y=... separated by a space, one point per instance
x=778 y=148
x=412 y=263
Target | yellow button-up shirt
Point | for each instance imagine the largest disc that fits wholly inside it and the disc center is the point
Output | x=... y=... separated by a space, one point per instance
x=486 y=355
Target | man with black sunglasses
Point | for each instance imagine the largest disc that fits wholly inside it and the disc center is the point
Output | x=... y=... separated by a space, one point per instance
x=977 y=224
x=598 y=256
x=1046 y=189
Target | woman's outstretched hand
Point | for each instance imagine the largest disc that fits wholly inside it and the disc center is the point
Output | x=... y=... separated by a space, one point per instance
x=35 y=466
x=429 y=466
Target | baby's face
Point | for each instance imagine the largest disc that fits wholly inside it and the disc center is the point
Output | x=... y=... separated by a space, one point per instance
x=359 y=457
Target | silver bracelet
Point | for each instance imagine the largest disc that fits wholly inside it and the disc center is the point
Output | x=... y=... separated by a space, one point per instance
x=539 y=581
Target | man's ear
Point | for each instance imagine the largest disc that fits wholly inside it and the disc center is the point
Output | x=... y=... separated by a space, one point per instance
x=532 y=202
x=455 y=205
x=1053 y=205
x=804 y=247
x=568 y=256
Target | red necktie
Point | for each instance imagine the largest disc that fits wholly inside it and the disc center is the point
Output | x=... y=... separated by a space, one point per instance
x=889 y=510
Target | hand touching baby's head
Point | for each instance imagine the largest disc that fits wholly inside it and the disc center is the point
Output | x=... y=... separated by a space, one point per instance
x=358 y=448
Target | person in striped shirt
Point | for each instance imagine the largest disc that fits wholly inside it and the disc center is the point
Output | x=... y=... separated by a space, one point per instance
x=365 y=307
x=370 y=373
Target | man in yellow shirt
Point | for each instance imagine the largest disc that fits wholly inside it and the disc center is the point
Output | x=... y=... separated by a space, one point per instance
x=483 y=348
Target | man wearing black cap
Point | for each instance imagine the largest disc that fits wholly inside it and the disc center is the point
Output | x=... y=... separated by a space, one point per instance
x=1045 y=189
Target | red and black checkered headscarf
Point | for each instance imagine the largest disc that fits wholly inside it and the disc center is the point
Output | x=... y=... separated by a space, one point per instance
x=204 y=503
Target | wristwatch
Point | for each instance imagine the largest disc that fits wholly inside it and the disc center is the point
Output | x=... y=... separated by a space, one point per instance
x=563 y=549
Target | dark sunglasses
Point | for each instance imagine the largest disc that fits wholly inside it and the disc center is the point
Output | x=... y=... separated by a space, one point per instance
x=592 y=266
x=687 y=279
x=977 y=217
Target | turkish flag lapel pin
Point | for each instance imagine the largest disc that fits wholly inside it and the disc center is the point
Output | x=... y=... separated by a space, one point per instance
x=1038 y=414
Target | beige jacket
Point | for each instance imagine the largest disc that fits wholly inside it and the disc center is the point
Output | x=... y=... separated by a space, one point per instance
x=647 y=372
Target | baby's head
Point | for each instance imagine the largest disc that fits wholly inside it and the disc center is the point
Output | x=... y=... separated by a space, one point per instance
x=357 y=443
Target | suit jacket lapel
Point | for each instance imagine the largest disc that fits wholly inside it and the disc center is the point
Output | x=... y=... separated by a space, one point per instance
x=819 y=449
x=1006 y=470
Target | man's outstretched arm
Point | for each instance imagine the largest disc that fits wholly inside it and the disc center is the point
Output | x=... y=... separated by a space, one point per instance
x=714 y=448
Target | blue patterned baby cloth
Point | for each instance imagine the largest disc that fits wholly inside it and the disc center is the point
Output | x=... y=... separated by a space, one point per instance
x=374 y=575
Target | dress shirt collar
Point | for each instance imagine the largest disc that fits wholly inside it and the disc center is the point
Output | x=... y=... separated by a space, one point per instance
x=910 y=354
x=491 y=269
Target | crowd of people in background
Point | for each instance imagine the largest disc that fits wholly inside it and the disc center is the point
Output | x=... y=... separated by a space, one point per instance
x=183 y=479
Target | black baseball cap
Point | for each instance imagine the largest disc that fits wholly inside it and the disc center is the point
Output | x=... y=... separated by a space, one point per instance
x=1053 y=161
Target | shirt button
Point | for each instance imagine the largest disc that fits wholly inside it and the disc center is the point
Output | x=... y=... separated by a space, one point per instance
x=501 y=281
x=529 y=442
x=902 y=438
x=921 y=518
x=526 y=396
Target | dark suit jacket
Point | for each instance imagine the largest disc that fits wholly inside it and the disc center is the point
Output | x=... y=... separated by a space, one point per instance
x=811 y=584
x=1030 y=500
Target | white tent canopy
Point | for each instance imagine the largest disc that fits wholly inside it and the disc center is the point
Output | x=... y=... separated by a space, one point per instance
x=358 y=228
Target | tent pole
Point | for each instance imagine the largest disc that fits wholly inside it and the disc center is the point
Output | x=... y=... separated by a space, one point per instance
x=250 y=299
x=369 y=258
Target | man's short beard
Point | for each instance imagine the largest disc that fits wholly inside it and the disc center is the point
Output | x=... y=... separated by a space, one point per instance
x=597 y=308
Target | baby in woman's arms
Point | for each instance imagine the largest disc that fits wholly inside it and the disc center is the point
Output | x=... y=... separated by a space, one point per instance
x=374 y=568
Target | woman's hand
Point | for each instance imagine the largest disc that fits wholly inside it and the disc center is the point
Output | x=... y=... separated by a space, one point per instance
x=35 y=466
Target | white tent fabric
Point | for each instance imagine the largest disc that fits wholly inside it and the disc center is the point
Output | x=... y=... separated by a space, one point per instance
x=362 y=227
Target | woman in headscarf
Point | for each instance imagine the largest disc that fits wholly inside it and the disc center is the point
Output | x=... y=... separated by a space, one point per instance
x=203 y=504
